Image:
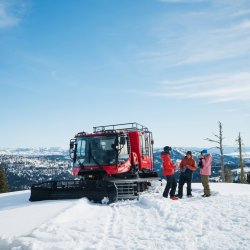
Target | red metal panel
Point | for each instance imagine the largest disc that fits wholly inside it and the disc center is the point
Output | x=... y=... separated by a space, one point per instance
x=121 y=168
x=135 y=145
x=145 y=161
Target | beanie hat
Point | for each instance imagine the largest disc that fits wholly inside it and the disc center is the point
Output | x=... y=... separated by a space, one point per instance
x=204 y=152
x=189 y=153
x=167 y=148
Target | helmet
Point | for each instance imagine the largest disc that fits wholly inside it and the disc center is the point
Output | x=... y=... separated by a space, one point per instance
x=204 y=152
x=167 y=148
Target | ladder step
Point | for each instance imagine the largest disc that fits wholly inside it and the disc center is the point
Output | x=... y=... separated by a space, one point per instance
x=127 y=191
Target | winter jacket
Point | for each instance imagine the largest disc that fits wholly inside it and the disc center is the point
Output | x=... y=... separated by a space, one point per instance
x=168 y=166
x=190 y=163
x=206 y=165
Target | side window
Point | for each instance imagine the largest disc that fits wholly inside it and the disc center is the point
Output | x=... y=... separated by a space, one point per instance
x=124 y=153
x=106 y=144
x=81 y=145
x=128 y=145
x=103 y=145
x=144 y=144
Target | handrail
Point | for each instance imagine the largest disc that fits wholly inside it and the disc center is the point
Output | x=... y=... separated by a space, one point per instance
x=122 y=126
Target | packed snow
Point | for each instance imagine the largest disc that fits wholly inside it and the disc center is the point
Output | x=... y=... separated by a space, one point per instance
x=221 y=221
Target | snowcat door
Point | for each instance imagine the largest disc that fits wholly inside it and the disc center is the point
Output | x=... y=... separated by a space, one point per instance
x=122 y=149
x=146 y=147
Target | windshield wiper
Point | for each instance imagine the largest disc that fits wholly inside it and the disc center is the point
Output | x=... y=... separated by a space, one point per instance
x=78 y=160
x=94 y=159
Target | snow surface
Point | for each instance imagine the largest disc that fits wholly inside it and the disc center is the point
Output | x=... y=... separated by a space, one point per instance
x=221 y=221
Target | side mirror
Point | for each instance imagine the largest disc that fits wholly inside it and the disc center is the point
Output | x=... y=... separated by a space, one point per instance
x=122 y=140
x=72 y=148
x=71 y=145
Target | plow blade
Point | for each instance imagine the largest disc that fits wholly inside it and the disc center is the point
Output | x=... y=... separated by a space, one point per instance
x=74 y=189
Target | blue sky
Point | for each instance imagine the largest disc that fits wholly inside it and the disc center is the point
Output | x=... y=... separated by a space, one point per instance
x=176 y=66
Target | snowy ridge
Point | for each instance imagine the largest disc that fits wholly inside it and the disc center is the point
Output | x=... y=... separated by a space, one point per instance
x=34 y=151
x=228 y=151
x=153 y=222
x=26 y=166
x=236 y=154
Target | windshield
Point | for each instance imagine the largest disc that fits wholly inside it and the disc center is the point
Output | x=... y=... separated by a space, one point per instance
x=96 y=150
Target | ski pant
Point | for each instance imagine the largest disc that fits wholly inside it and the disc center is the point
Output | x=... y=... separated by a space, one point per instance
x=205 y=184
x=171 y=184
x=185 y=178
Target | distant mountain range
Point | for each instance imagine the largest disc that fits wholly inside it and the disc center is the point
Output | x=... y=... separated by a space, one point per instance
x=26 y=166
x=42 y=151
x=34 y=151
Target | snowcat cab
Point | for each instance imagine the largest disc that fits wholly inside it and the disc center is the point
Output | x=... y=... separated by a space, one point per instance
x=115 y=161
x=112 y=151
x=99 y=153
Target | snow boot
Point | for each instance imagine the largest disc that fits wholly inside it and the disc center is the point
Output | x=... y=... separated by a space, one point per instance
x=174 y=198
x=206 y=195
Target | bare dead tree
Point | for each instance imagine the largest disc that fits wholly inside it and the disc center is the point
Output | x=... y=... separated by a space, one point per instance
x=228 y=175
x=242 y=173
x=219 y=141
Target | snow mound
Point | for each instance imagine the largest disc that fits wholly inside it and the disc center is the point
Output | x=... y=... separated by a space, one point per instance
x=221 y=221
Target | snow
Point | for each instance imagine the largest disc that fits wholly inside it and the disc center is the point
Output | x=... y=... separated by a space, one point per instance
x=246 y=170
x=19 y=216
x=221 y=221
x=236 y=154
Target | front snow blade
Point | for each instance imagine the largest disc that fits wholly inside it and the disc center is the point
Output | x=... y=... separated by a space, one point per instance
x=74 y=189
x=146 y=173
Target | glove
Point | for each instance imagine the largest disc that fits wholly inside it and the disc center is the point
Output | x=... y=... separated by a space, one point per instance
x=200 y=164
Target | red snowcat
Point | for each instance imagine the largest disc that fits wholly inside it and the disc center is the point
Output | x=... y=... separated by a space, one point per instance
x=115 y=162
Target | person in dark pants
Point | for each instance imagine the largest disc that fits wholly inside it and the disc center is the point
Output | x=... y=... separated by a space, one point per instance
x=187 y=167
x=168 y=171
x=171 y=184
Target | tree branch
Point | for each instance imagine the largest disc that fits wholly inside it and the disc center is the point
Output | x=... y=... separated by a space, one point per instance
x=207 y=139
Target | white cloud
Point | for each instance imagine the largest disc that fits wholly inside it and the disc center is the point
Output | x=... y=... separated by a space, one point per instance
x=241 y=13
x=213 y=88
x=245 y=24
x=181 y=1
x=215 y=32
x=232 y=110
x=11 y=12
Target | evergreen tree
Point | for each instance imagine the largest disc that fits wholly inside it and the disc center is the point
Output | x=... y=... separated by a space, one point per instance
x=3 y=179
